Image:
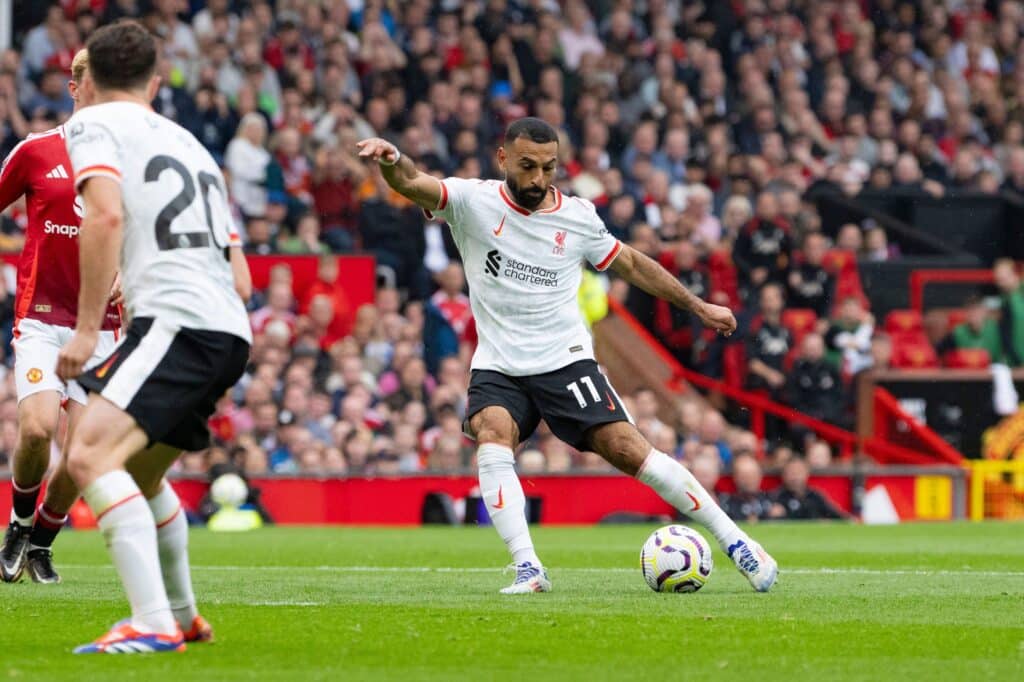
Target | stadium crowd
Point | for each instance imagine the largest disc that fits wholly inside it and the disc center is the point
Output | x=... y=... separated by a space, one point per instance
x=697 y=128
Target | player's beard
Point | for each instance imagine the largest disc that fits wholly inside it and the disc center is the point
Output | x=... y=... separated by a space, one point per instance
x=529 y=198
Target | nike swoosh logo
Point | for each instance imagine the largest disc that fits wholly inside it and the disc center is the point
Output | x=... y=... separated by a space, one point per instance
x=696 y=502
x=500 y=227
x=500 y=504
x=102 y=371
x=611 y=403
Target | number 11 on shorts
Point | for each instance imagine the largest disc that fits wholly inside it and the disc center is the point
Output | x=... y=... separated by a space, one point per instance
x=574 y=388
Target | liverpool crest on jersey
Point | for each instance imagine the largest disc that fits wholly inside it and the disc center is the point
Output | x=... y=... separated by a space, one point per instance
x=559 y=249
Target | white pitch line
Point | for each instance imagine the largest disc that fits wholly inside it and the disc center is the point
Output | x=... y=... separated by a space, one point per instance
x=615 y=569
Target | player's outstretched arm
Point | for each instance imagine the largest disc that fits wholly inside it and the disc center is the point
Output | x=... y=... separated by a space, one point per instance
x=642 y=271
x=99 y=248
x=401 y=173
x=240 y=273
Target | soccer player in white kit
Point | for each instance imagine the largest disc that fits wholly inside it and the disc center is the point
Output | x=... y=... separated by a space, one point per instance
x=522 y=244
x=155 y=200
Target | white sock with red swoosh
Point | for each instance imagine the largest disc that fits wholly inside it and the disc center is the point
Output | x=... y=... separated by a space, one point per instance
x=506 y=503
x=678 y=487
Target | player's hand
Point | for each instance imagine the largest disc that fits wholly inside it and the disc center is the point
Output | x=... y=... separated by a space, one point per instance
x=717 y=317
x=116 y=292
x=73 y=356
x=377 y=149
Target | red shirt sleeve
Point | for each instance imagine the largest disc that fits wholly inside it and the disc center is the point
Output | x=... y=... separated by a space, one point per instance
x=14 y=176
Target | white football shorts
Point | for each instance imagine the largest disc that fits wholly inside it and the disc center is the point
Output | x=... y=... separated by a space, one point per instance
x=35 y=358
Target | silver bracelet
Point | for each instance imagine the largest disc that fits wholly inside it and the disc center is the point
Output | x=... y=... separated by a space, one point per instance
x=398 y=157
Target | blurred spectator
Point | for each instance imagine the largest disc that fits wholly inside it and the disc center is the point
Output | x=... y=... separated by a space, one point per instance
x=1011 y=321
x=749 y=503
x=531 y=462
x=877 y=248
x=697 y=220
x=810 y=284
x=768 y=343
x=336 y=175
x=707 y=470
x=247 y=160
x=978 y=330
x=52 y=99
x=306 y=240
x=819 y=455
x=849 y=336
x=446 y=455
x=763 y=247
x=800 y=501
x=712 y=433
x=814 y=386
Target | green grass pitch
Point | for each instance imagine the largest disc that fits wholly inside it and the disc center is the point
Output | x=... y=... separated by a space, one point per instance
x=912 y=602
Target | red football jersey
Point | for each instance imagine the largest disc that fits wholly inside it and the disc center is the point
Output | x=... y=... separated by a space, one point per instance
x=48 y=278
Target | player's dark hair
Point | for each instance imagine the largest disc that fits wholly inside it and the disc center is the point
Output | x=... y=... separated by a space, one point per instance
x=122 y=56
x=534 y=129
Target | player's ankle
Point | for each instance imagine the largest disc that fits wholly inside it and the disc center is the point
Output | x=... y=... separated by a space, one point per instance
x=528 y=555
x=159 y=622
x=185 y=616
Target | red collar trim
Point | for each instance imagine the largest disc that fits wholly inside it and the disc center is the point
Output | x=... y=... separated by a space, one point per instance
x=519 y=209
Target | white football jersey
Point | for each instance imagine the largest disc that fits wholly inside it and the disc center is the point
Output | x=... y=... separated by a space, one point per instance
x=524 y=270
x=177 y=222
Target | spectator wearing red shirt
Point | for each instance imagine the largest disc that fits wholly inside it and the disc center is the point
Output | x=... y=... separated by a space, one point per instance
x=326 y=284
x=336 y=176
x=280 y=302
x=449 y=299
x=288 y=43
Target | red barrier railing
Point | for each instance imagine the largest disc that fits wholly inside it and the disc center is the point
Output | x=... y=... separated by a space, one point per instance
x=903 y=436
x=758 y=405
x=878 y=446
x=921 y=278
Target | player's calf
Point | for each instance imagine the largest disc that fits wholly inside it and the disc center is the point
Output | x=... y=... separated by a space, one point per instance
x=30 y=460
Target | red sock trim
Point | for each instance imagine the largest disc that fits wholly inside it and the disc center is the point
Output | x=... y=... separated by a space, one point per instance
x=47 y=518
x=640 y=471
x=169 y=518
x=117 y=504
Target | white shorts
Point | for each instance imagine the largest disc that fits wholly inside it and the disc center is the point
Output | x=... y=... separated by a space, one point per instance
x=35 y=358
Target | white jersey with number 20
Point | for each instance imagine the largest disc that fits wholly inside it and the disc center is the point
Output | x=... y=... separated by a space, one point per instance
x=177 y=224
x=524 y=270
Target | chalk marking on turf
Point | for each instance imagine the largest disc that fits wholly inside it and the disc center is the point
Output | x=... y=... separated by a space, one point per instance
x=589 y=569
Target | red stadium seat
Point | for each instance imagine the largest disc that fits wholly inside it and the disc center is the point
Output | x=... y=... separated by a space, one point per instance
x=914 y=355
x=967 y=358
x=956 y=316
x=799 y=321
x=903 y=321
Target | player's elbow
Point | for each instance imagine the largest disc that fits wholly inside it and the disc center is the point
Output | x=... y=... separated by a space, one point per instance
x=106 y=218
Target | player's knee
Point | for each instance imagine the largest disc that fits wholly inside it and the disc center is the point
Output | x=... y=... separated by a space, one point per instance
x=623 y=447
x=34 y=434
x=488 y=432
x=79 y=466
x=84 y=455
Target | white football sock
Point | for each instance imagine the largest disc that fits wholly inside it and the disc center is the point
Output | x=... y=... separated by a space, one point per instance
x=678 y=487
x=127 y=525
x=506 y=503
x=172 y=539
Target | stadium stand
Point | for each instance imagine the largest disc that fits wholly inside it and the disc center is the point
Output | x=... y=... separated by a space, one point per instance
x=730 y=140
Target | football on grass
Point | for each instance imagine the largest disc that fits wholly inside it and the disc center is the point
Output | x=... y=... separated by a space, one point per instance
x=676 y=559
